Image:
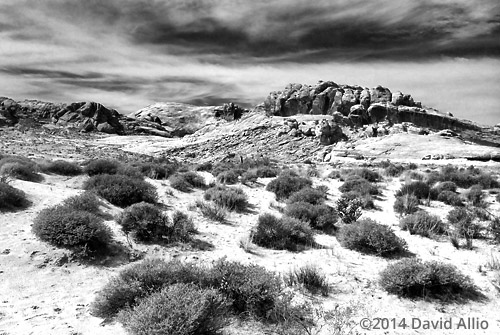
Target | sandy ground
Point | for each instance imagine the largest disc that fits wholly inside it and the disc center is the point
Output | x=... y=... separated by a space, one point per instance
x=38 y=295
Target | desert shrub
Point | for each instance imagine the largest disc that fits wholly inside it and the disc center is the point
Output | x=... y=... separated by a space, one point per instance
x=141 y=279
x=155 y=170
x=182 y=309
x=423 y=224
x=366 y=200
x=475 y=195
x=497 y=198
x=320 y=217
x=286 y=184
x=207 y=166
x=282 y=233
x=267 y=172
x=186 y=181
x=360 y=185
x=417 y=188
x=181 y=219
x=365 y=173
x=194 y=179
x=462 y=221
x=228 y=177
x=393 y=170
x=20 y=171
x=349 y=210
x=230 y=198
x=251 y=288
x=249 y=177
x=11 y=198
x=102 y=166
x=308 y=194
x=465 y=178
x=80 y=231
x=121 y=190
x=450 y=198
x=310 y=277
x=406 y=204
x=212 y=211
x=86 y=201
x=371 y=237
x=494 y=228
x=64 y=168
x=446 y=186
x=147 y=223
x=412 y=278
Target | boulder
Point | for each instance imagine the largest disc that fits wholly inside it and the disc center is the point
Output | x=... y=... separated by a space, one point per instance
x=377 y=112
x=380 y=94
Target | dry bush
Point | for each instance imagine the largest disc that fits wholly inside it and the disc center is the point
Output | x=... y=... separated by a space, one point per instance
x=63 y=168
x=121 y=190
x=12 y=198
x=286 y=184
x=423 y=224
x=370 y=237
x=412 y=278
x=233 y=199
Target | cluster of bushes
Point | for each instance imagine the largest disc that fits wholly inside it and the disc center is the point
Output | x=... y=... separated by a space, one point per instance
x=186 y=181
x=148 y=223
x=156 y=296
x=359 y=184
x=20 y=168
x=286 y=184
x=62 y=167
x=156 y=169
x=11 y=198
x=121 y=190
x=412 y=278
x=249 y=170
x=76 y=225
x=233 y=199
x=467 y=177
x=369 y=236
x=463 y=225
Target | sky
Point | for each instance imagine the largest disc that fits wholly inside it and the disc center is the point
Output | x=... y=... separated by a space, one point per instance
x=128 y=54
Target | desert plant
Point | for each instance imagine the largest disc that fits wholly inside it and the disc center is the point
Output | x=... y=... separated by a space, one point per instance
x=417 y=188
x=156 y=170
x=266 y=172
x=412 y=278
x=320 y=217
x=287 y=184
x=365 y=173
x=121 y=190
x=64 y=168
x=282 y=233
x=86 y=201
x=310 y=277
x=406 y=204
x=148 y=223
x=186 y=181
x=249 y=177
x=11 y=198
x=466 y=178
x=349 y=210
x=366 y=200
x=475 y=195
x=463 y=224
x=450 y=198
x=494 y=228
x=207 y=166
x=80 y=231
x=251 y=288
x=230 y=198
x=102 y=166
x=393 y=170
x=371 y=237
x=181 y=219
x=181 y=309
x=228 y=177
x=423 y=224
x=214 y=212
x=308 y=194
x=360 y=185
x=446 y=186
x=20 y=171
x=140 y=280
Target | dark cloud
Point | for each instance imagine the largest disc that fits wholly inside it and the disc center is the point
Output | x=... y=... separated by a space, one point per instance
x=43 y=73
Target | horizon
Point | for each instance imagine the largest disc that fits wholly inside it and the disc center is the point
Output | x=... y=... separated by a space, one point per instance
x=129 y=54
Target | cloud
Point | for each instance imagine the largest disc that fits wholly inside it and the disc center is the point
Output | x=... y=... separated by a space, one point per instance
x=129 y=53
